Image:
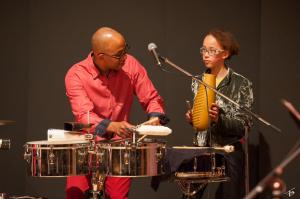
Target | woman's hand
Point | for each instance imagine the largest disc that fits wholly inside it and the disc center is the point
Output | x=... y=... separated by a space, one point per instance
x=214 y=112
x=189 y=116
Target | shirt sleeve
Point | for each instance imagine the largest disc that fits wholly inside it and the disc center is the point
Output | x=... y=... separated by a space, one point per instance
x=81 y=105
x=234 y=125
x=147 y=95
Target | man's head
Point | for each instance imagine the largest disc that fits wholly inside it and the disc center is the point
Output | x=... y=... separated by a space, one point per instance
x=109 y=49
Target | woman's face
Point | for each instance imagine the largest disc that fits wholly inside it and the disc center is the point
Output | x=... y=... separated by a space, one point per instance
x=212 y=53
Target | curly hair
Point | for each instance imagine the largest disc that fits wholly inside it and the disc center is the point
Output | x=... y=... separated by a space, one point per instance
x=226 y=40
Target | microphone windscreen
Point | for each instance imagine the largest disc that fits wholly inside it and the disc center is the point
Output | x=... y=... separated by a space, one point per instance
x=151 y=46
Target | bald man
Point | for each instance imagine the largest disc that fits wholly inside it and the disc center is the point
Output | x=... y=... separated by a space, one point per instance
x=103 y=86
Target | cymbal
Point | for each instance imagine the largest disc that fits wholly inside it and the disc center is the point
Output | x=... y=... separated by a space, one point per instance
x=6 y=122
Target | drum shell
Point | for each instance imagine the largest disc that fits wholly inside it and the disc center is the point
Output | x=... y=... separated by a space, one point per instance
x=207 y=166
x=131 y=160
x=56 y=159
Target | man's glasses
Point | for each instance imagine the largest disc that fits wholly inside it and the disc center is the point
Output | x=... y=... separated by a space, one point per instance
x=119 y=55
x=210 y=51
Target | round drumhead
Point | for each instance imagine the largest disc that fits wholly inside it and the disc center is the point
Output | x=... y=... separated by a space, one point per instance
x=61 y=142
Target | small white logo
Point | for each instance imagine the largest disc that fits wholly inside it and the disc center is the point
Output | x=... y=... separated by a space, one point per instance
x=290 y=192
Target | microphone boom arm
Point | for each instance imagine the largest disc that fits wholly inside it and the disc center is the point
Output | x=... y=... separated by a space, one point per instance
x=164 y=59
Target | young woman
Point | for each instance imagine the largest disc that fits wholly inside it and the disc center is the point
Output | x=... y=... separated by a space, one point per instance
x=227 y=121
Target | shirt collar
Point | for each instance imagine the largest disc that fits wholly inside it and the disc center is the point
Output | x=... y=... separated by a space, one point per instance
x=91 y=67
x=226 y=79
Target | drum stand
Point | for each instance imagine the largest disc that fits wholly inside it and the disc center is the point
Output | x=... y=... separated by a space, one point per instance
x=191 y=183
x=97 y=182
x=190 y=188
x=97 y=185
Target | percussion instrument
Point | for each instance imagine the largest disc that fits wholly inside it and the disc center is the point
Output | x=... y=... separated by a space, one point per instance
x=193 y=167
x=57 y=158
x=126 y=159
x=200 y=166
x=202 y=103
x=203 y=168
x=199 y=162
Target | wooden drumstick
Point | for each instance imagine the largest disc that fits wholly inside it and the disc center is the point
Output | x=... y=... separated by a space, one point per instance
x=141 y=138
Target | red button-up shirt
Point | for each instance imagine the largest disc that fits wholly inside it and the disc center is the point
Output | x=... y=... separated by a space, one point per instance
x=109 y=97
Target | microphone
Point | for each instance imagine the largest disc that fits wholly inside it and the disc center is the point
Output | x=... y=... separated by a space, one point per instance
x=4 y=144
x=151 y=48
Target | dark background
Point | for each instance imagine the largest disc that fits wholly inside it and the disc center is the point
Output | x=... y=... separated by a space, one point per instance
x=40 y=40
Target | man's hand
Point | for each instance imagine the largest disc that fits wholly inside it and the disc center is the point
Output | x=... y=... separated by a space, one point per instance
x=152 y=121
x=122 y=129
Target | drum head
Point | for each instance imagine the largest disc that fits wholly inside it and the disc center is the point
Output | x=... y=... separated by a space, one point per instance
x=61 y=142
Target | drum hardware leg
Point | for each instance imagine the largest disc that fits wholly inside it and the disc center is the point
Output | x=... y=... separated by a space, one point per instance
x=195 y=164
x=213 y=164
x=189 y=188
x=97 y=185
x=223 y=171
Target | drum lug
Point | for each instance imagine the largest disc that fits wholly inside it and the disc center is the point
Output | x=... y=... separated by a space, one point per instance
x=213 y=164
x=51 y=157
x=27 y=156
x=128 y=146
x=100 y=155
x=159 y=155
x=81 y=156
x=223 y=169
x=126 y=157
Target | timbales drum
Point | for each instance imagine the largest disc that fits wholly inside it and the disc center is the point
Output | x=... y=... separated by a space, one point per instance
x=126 y=159
x=57 y=158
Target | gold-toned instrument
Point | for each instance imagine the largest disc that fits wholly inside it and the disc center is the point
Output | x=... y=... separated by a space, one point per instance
x=202 y=103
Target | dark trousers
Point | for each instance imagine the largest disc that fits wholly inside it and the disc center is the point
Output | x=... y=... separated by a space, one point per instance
x=235 y=188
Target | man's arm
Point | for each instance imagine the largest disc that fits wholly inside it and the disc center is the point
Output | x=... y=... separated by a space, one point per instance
x=82 y=108
x=148 y=96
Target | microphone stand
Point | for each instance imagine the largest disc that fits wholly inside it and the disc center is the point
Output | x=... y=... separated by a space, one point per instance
x=221 y=94
x=243 y=108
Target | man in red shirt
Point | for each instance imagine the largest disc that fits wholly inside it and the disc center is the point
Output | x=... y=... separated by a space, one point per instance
x=101 y=89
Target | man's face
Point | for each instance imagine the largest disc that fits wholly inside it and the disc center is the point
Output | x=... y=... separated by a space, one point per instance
x=114 y=57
